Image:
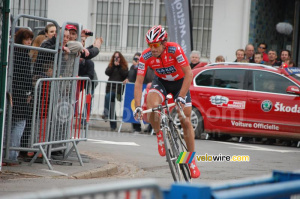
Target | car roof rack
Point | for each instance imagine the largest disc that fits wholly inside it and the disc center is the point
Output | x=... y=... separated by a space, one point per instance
x=241 y=63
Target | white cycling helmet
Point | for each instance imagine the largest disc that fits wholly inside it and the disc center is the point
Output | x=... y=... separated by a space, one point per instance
x=156 y=34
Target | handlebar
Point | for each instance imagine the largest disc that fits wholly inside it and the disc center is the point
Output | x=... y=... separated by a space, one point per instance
x=156 y=108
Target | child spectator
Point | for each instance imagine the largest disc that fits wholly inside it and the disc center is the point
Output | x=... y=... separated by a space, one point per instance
x=220 y=58
x=240 y=54
x=258 y=58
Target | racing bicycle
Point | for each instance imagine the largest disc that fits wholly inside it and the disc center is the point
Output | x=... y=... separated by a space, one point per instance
x=173 y=141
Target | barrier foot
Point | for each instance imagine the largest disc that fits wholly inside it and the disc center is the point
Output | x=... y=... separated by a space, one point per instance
x=44 y=158
x=241 y=139
x=298 y=145
x=120 y=127
x=77 y=152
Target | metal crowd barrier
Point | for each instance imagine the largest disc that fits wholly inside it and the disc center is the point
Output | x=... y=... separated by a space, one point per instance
x=280 y=185
x=60 y=115
x=102 y=91
x=40 y=125
x=20 y=82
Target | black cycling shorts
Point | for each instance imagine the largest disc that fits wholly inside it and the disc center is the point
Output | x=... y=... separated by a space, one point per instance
x=163 y=88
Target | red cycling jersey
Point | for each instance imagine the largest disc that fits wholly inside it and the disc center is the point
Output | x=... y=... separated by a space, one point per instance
x=168 y=66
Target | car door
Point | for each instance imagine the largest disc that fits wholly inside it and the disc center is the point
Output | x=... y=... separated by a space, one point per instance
x=271 y=110
x=220 y=95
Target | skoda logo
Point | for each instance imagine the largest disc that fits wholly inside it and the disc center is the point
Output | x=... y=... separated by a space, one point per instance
x=266 y=105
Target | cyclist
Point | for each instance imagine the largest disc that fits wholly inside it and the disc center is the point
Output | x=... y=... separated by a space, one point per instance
x=172 y=75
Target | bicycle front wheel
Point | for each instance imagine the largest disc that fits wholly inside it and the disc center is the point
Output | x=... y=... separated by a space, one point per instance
x=182 y=148
x=172 y=153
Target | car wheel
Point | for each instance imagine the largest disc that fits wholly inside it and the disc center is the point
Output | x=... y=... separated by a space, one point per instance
x=196 y=120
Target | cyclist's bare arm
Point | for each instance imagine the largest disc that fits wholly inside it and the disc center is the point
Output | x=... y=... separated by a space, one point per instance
x=187 y=81
x=138 y=90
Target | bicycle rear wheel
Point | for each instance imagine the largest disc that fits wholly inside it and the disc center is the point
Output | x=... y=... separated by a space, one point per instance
x=172 y=154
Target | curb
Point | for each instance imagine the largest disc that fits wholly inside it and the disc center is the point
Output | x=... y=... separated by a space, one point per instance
x=105 y=171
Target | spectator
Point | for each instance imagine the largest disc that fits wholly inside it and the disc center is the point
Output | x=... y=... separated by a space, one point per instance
x=195 y=59
x=240 y=55
x=220 y=58
x=45 y=57
x=117 y=70
x=272 y=55
x=262 y=47
x=91 y=51
x=87 y=66
x=21 y=91
x=36 y=43
x=249 y=53
x=258 y=58
x=285 y=55
x=290 y=63
x=50 y=31
x=132 y=77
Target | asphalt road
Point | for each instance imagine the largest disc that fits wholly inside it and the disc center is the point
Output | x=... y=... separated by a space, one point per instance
x=137 y=157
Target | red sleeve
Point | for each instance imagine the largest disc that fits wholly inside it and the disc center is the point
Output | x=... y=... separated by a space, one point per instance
x=180 y=57
x=144 y=62
x=142 y=67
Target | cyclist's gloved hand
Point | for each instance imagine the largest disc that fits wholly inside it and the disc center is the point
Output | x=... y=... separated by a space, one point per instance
x=180 y=101
x=138 y=113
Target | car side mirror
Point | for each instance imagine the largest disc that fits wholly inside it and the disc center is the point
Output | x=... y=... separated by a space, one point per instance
x=293 y=90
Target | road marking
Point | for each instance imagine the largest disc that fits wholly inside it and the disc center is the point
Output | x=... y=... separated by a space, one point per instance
x=257 y=148
x=112 y=142
x=58 y=172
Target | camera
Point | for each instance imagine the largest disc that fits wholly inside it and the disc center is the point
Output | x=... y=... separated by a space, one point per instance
x=116 y=59
x=89 y=33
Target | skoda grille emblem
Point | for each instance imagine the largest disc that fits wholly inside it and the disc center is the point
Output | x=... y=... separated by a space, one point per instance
x=266 y=105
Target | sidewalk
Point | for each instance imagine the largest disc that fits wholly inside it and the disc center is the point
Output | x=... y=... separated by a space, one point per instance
x=92 y=167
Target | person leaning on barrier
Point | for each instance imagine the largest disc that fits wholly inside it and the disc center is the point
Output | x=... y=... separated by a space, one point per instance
x=36 y=43
x=21 y=91
x=91 y=51
x=117 y=70
x=46 y=57
x=50 y=31
x=173 y=74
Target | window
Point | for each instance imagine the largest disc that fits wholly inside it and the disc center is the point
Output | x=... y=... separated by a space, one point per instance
x=229 y=78
x=202 y=11
x=123 y=24
x=223 y=78
x=270 y=82
x=30 y=7
x=205 y=78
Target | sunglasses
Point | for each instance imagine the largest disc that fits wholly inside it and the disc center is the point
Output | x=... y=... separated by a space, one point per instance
x=135 y=59
x=117 y=57
x=261 y=47
x=155 y=45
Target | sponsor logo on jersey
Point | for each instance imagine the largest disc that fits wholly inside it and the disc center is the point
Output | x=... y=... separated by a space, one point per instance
x=152 y=62
x=157 y=61
x=165 y=71
x=141 y=66
x=180 y=58
x=147 y=55
x=171 y=49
